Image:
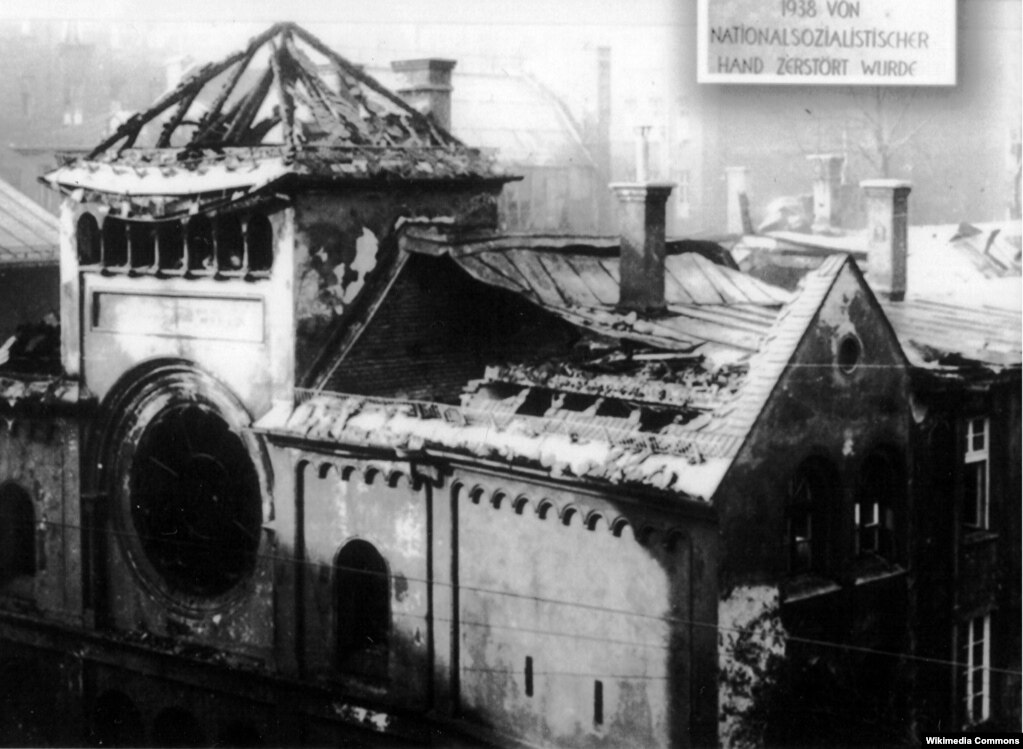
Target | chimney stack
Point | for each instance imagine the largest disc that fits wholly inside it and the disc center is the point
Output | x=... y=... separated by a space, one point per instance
x=428 y=87
x=887 y=224
x=827 y=177
x=641 y=269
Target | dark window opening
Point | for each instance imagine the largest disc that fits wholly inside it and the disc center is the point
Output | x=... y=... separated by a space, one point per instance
x=199 y=242
x=529 y=675
x=874 y=511
x=260 y=241
x=115 y=243
x=87 y=235
x=229 y=243
x=116 y=722
x=810 y=499
x=143 y=246
x=17 y=533
x=195 y=501
x=976 y=474
x=598 y=703
x=171 y=246
x=616 y=408
x=176 y=727
x=363 y=600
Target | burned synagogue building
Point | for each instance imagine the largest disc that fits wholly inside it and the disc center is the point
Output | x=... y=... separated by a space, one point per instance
x=330 y=460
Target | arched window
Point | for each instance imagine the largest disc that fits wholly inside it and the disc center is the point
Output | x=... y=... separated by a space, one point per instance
x=88 y=238
x=199 y=242
x=171 y=246
x=143 y=245
x=362 y=594
x=229 y=242
x=17 y=533
x=810 y=499
x=115 y=243
x=874 y=512
x=260 y=241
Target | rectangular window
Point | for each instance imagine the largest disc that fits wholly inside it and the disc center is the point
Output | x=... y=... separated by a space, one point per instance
x=683 y=192
x=868 y=527
x=529 y=676
x=976 y=476
x=976 y=674
x=598 y=703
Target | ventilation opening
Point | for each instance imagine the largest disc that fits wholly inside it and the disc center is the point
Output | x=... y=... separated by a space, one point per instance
x=529 y=676
x=598 y=703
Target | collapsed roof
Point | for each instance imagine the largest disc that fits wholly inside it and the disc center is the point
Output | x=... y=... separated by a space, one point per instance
x=285 y=106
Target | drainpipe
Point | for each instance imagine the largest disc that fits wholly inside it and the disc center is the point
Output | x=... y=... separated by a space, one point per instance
x=887 y=227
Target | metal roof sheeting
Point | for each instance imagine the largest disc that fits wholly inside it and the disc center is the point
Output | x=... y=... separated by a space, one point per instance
x=28 y=233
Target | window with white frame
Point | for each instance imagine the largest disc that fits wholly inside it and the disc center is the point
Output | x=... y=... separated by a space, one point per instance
x=976 y=476
x=976 y=673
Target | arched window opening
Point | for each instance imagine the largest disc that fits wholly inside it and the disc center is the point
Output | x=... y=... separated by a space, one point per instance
x=811 y=492
x=196 y=503
x=874 y=516
x=260 y=243
x=87 y=235
x=170 y=243
x=199 y=243
x=362 y=593
x=115 y=243
x=229 y=243
x=142 y=238
x=17 y=534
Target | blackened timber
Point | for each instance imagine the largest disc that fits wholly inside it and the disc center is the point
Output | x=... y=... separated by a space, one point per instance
x=137 y=121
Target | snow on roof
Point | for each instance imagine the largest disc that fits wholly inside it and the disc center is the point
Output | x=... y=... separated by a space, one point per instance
x=668 y=420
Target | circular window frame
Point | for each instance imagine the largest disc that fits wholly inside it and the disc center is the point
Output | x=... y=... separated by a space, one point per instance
x=848 y=353
x=176 y=386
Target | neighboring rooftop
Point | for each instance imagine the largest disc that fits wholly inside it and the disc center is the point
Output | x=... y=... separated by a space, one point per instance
x=28 y=233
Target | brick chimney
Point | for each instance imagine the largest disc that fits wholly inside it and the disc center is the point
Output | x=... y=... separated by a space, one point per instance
x=887 y=224
x=428 y=87
x=827 y=178
x=641 y=222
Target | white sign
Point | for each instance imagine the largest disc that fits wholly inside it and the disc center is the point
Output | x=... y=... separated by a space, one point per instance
x=830 y=42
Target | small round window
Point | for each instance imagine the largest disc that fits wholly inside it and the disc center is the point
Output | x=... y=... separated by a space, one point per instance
x=849 y=351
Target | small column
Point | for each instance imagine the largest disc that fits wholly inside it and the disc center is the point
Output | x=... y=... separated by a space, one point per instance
x=827 y=177
x=428 y=87
x=641 y=225
x=735 y=180
x=887 y=228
